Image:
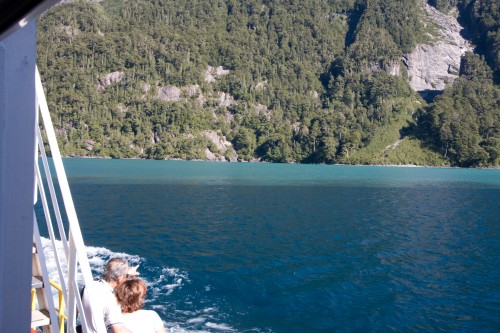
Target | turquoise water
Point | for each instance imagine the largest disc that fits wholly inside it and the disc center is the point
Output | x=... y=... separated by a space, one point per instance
x=252 y=174
x=247 y=247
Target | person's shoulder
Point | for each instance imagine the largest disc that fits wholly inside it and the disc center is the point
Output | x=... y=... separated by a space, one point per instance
x=96 y=284
x=154 y=318
x=91 y=285
x=149 y=313
x=101 y=291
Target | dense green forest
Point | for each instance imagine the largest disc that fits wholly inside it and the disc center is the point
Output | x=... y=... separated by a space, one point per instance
x=282 y=81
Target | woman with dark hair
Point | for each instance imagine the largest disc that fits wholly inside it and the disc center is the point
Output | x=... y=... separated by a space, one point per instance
x=131 y=295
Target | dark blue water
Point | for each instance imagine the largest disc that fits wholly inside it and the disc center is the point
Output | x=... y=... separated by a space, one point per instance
x=300 y=248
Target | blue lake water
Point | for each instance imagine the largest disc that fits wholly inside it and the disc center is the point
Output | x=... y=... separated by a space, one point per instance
x=247 y=247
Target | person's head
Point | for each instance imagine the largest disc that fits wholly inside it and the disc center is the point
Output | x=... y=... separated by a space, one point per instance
x=131 y=295
x=116 y=270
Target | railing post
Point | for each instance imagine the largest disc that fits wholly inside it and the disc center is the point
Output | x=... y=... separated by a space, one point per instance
x=50 y=229
x=76 y=255
x=53 y=196
x=72 y=293
x=74 y=226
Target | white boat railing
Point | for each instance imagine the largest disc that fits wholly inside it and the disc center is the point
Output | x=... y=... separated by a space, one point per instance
x=72 y=262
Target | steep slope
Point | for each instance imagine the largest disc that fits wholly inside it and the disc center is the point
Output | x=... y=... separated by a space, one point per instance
x=226 y=80
x=435 y=65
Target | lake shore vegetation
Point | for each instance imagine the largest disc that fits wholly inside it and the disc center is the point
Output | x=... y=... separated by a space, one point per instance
x=274 y=81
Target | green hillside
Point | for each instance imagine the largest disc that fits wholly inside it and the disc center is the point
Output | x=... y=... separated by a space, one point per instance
x=281 y=81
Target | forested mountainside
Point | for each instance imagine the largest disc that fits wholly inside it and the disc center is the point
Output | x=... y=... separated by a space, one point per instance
x=310 y=81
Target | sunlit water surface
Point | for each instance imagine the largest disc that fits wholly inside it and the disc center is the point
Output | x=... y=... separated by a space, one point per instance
x=247 y=247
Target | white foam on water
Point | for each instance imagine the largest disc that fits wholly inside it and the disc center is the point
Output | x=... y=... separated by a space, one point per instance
x=196 y=320
x=162 y=284
x=207 y=310
x=220 y=327
x=175 y=328
x=98 y=256
x=50 y=258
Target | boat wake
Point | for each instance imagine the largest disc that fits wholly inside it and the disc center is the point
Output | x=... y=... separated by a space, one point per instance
x=162 y=282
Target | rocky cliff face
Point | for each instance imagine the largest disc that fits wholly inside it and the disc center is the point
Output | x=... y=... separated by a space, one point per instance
x=223 y=146
x=109 y=79
x=435 y=65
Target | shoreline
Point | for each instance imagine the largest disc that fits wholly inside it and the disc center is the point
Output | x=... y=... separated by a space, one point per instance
x=256 y=161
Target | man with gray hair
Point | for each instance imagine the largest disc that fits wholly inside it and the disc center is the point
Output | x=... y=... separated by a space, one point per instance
x=102 y=311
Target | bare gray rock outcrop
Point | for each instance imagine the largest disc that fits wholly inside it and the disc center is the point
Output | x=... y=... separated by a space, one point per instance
x=212 y=73
x=169 y=93
x=175 y=94
x=436 y=65
x=225 y=99
x=69 y=30
x=110 y=79
x=222 y=145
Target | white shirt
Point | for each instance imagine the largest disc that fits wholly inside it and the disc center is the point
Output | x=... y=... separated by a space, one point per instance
x=100 y=307
x=143 y=321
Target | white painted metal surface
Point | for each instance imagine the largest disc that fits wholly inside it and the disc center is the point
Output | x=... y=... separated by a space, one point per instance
x=17 y=158
x=74 y=259
x=18 y=110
